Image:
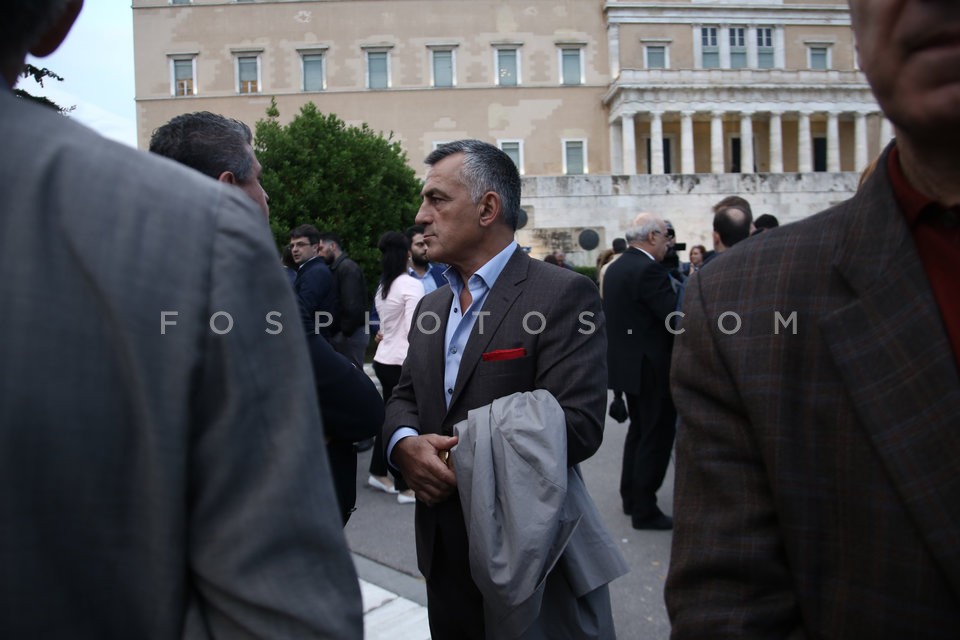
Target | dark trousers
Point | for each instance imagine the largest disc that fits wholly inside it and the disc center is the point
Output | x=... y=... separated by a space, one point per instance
x=343 y=468
x=646 y=451
x=454 y=604
x=389 y=376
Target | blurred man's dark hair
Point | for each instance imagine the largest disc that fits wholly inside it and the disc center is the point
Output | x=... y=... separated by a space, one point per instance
x=734 y=201
x=766 y=221
x=207 y=142
x=307 y=231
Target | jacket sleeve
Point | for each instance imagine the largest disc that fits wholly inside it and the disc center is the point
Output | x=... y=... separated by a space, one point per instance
x=353 y=298
x=728 y=574
x=655 y=290
x=572 y=364
x=266 y=552
x=402 y=410
x=349 y=401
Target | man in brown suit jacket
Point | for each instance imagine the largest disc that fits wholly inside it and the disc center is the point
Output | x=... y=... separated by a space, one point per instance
x=514 y=325
x=817 y=491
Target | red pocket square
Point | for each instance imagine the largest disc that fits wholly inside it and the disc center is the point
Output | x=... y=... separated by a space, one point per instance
x=504 y=354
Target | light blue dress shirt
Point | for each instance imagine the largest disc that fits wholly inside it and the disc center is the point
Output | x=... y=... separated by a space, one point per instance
x=460 y=324
x=429 y=284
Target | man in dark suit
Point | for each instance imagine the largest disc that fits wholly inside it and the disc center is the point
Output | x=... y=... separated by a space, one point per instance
x=505 y=324
x=817 y=490
x=314 y=286
x=155 y=479
x=350 y=404
x=638 y=300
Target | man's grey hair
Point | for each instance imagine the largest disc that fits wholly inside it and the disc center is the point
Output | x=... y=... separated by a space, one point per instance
x=207 y=142
x=485 y=168
x=643 y=226
x=24 y=21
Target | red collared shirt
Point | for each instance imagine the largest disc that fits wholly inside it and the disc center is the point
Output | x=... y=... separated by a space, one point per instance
x=937 y=243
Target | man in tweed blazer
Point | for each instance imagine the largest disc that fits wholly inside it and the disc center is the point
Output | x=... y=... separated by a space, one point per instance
x=527 y=325
x=156 y=481
x=818 y=459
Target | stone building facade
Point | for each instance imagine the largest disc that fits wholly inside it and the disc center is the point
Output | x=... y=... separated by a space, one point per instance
x=573 y=90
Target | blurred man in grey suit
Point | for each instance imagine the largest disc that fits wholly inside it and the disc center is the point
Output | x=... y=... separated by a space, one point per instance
x=155 y=479
x=505 y=324
x=818 y=456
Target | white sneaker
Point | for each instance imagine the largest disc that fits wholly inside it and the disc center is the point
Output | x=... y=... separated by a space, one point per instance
x=406 y=497
x=377 y=483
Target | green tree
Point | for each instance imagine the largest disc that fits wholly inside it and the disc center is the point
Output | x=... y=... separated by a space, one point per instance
x=30 y=71
x=349 y=180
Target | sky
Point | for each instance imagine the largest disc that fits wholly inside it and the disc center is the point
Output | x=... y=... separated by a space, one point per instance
x=96 y=63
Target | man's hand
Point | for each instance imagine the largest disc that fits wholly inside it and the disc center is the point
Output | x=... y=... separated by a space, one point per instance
x=418 y=458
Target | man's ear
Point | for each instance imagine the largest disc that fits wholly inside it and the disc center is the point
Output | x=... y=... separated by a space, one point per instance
x=228 y=177
x=490 y=208
x=57 y=32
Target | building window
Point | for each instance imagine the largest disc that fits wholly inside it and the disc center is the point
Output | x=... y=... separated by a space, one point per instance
x=508 y=67
x=443 y=68
x=179 y=1
x=514 y=149
x=571 y=66
x=378 y=70
x=655 y=57
x=183 y=73
x=574 y=157
x=738 y=47
x=248 y=74
x=709 y=48
x=313 y=78
x=819 y=58
x=765 y=57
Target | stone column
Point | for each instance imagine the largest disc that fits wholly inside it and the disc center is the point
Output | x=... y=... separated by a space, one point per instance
x=833 y=142
x=686 y=142
x=716 y=142
x=616 y=147
x=613 y=47
x=629 y=145
x=656 y=143
x=746 y=142
x=776 y=143
x=861 y=157
x=804 y=144
x=886 y=131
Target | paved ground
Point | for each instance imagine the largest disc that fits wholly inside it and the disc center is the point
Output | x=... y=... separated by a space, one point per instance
x=381 y=536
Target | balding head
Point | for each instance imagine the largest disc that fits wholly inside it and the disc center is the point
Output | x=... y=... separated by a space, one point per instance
x=730 y=225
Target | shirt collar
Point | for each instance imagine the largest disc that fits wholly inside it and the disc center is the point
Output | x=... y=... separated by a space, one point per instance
x=912 y=202
x=488 y=273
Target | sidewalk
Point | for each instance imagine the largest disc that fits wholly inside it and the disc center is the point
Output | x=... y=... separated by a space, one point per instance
x=386 y=614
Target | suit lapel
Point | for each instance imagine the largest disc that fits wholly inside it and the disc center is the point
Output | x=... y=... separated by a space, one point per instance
x=501 y=297
x=432 y=373
x=894 y=357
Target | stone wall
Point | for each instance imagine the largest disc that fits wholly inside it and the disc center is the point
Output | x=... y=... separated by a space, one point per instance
x=559 y=208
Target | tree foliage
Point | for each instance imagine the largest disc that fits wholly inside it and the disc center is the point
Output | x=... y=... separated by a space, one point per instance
x=345 y=179
x=30 y=71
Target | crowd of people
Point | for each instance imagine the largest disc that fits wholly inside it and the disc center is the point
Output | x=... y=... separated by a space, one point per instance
x=193 y=481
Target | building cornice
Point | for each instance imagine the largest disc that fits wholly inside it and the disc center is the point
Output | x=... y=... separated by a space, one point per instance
x=724 y=14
